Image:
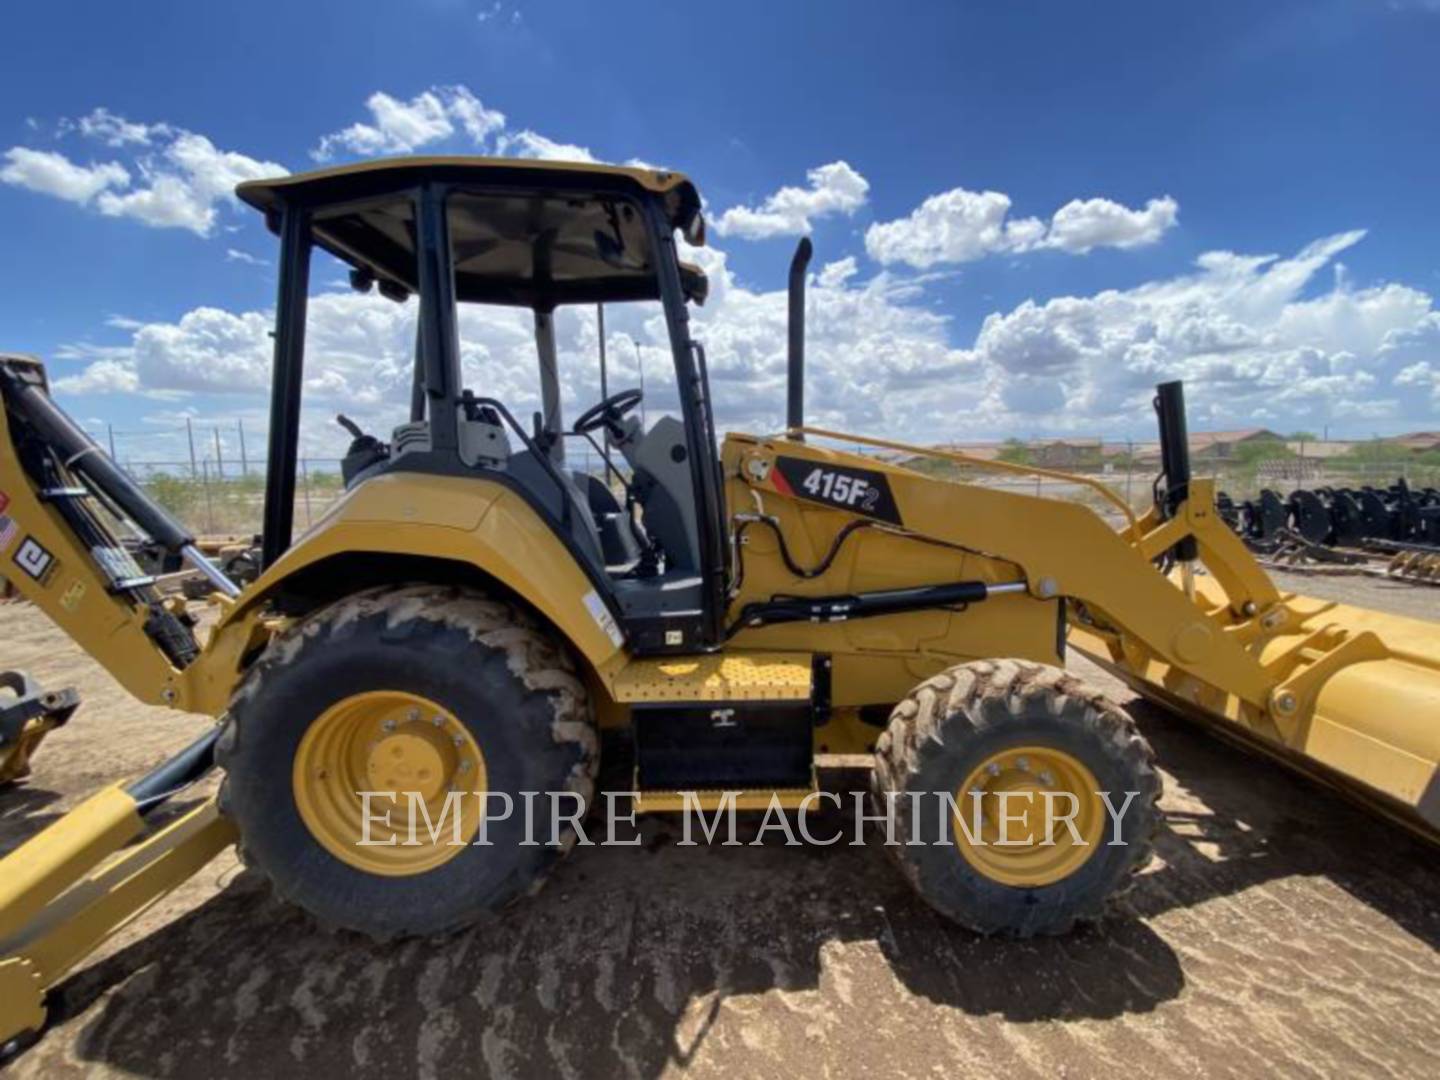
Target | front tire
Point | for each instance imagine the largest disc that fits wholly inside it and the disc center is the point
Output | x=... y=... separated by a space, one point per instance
x=987 y=727
x=422 y=689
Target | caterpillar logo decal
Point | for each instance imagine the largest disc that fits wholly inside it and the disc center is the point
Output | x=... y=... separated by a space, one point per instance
x=861 y=491
x=35 y=560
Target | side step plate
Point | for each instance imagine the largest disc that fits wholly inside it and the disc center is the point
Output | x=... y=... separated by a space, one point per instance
x=716 y=677
x=749 y=799
x=723 y=726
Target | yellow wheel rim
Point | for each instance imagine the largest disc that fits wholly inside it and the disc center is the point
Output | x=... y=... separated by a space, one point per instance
x=1014 y=850
x=425 y=762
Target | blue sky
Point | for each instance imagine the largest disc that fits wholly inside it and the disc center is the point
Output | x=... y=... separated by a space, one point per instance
x=1077 y=159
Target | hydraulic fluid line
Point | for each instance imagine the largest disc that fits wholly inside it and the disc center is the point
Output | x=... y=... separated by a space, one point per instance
x=761 y=518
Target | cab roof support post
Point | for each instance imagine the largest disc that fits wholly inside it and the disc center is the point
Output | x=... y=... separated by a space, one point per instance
x=695 y=407
x=550 y=420
x=440 y=339
x=417 y=380
x=287 y=380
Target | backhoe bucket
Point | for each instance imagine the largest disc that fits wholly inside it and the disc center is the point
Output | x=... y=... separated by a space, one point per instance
x=1356 y=702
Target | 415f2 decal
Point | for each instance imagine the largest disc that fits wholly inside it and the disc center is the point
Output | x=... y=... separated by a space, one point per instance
x=861 y=491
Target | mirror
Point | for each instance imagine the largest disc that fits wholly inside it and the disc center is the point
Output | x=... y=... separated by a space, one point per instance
x=694 y=230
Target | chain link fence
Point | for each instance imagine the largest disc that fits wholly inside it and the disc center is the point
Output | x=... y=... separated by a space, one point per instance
x=214 y=486
x=1241 y=468
x=206 y=477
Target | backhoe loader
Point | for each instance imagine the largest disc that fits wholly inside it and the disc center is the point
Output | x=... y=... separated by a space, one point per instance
x=472 y=615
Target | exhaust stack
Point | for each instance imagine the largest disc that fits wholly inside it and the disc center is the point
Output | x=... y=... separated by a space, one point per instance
x=1174 y=458
x=795 y=396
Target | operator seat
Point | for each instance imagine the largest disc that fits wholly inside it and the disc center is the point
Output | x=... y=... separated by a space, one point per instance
x=617 y=532
x=565 y=502
x=660 y=460
x=483 y=446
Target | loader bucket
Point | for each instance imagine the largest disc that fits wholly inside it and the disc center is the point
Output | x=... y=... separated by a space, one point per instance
x=1357 y=703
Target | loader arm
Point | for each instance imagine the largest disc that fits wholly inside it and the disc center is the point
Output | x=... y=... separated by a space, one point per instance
x=1064 y=549
x=1345 y=694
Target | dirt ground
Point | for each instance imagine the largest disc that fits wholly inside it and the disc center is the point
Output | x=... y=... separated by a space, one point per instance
x=1280 y=931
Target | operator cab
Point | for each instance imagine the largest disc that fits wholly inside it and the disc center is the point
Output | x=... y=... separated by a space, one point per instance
x=647 y=526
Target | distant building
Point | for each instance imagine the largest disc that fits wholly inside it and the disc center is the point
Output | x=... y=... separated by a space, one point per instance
x=1067 y=453
x=1221 y=445
x=1417 y=442
x=1206 y=447
x=1317 y=448
x=985 y=451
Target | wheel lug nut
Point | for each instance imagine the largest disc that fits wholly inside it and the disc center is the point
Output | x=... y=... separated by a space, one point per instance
x=413 y=715
x=388 y=725
x=464 y=766
x=1047 y=778
x=1023 y=764
x=439 y=721
x=993 y=769
x=457 y=740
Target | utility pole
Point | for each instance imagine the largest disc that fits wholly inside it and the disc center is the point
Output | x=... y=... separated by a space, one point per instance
x=1129 y=468
x=219 y=457
x=305 y=477
x=244 y=464
x=190 y=434
x=209 y=506
x=640 y=363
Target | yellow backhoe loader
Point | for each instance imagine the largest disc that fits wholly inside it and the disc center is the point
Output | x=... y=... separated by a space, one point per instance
x=467 y=620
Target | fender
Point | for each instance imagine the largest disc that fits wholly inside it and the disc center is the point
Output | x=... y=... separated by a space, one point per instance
x=470 y=520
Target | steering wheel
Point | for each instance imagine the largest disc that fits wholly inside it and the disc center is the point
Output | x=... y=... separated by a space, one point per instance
x=359 y=441
x=608 y=413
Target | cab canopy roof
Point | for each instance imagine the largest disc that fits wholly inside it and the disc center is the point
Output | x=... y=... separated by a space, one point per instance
x=530 y=233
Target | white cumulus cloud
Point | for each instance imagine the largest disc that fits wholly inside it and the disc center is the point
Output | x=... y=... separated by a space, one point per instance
x=401 y=127
x=54 y=174
x=185 y=184
x=167 y=177
x=175 y=179
x=954 y=226
x=1082 y=225
x=531 y=144
x=101 y=377
x=1248 y=334
x=960 y=225
x=1238 y=330
x=236 y=255
x=835 y=188
x=114 y=130
x=439 y=115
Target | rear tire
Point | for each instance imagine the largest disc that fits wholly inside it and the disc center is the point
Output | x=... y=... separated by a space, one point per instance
x=503 y=684
x=987 y=717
